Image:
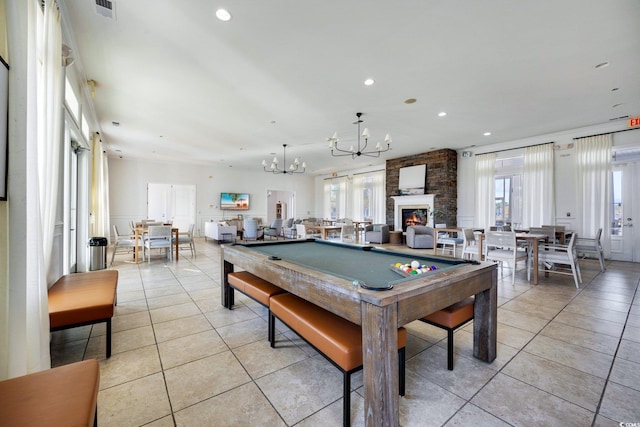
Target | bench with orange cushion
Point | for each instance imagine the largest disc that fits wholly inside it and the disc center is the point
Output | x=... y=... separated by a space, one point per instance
x=451 y=318
x=254 y=287
x=80 y=299
x=63 y=396
x=337 y=339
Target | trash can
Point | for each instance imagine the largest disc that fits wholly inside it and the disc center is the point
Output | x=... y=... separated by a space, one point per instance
x=98 y=253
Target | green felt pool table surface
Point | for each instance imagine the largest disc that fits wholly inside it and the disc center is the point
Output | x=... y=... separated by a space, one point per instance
x=370 y=267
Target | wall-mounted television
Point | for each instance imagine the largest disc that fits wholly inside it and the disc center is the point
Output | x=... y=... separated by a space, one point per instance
x=234 y=201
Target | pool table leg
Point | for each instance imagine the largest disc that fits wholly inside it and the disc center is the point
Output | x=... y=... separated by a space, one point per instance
x=485 y=321
x=380 y=361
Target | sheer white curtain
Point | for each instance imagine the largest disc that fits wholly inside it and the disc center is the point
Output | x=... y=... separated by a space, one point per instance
x=50 y=99
x=99 y=190
x=358 y=185
x=27 y=313
x=593 y=166
x=485 y=190
x=538 y=198
x=327 y=199
x=378 y=202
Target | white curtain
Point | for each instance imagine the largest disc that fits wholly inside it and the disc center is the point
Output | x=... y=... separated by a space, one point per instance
x=358 y=185
x=327 y=199
x=27 y=313
x=485 y=215
x=593 y=166
x=99 y=190
x=538 y=198
x=375 y=182
x=50 y=101
x=378 y=202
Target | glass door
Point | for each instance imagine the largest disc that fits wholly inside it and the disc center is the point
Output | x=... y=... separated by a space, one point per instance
x=624 y=208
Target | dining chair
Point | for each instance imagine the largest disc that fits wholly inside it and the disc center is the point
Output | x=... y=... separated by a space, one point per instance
x=186 y=238
x=348 y=233
x=586 y=246
x=122 y=244
x=158 y=237
x=445 y=239
x=502 y=247
x=470 y=244
x=555 y=259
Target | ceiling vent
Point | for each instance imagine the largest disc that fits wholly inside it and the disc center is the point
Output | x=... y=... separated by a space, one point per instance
x=105 y=8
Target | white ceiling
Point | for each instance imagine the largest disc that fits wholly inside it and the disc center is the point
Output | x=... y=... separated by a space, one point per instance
x=186 y=86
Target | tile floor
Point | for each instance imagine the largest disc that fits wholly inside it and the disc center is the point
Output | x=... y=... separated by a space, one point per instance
x=565 y=356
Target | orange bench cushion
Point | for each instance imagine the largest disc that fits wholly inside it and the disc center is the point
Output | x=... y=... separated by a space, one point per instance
x=82 y=297
x=454 y=315
x=253 y=286
x=336 y=337
x=63 y=396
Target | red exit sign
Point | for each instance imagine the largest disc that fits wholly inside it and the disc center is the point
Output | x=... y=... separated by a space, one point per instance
x=634 y=122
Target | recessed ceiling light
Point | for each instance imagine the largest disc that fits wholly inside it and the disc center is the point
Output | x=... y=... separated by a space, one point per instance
x=223 y=15
x=616 y=105
x=369 y=82
x=442 y=114
x=615 y=89
x=487 y=133
x=116 y=124
x=602 y=65
x=273 y=122
x=410 y=100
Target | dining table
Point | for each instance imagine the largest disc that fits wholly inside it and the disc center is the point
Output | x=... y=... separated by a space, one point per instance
x=139 y=232
x=532 y=239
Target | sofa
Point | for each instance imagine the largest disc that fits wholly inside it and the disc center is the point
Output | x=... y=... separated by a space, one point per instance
x=420 y=237
x=220 y=231
x=376 y=233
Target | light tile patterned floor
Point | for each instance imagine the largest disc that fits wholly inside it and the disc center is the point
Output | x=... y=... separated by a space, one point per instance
x=565 y=356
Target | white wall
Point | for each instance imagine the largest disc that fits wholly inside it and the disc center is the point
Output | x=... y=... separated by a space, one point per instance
x=128 y=180
x=566 y=201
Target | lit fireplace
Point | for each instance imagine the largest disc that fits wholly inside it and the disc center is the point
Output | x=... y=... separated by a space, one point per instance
x=405 y=206
x=410 y=217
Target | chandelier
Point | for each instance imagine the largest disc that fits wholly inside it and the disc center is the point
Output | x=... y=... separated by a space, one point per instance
x=361 y=150
x=293 y=167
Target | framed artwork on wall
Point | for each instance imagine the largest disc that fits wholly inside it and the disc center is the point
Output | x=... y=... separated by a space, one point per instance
x=413 y=180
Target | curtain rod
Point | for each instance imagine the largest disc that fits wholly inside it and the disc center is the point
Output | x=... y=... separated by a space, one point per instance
x=606 y=133
x=359 y=173
x=517 y=148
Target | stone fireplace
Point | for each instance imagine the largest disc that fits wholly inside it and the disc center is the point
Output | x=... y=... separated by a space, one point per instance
x=408 y=205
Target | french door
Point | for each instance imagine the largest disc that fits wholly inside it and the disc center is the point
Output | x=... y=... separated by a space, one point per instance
x=625 y=237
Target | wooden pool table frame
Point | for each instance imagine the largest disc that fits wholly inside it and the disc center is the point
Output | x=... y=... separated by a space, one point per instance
x=380 y=313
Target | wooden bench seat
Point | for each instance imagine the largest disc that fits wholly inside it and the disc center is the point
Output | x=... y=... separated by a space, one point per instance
x=451 y=318
x=63 y=396
x=80 y=299
x=337 y=339
x=254 y=287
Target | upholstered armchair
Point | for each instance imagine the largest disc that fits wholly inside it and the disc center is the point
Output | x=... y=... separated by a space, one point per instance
x=289 y=229
x=376 y=233
x=420 y=237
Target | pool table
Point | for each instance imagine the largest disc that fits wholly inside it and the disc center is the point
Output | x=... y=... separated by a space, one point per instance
x=358 y=283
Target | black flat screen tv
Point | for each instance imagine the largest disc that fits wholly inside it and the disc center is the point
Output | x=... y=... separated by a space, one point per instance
x=234 y=201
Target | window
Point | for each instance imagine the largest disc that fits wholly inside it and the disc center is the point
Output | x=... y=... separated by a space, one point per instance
x=70 y=99
x=359 y=197
x=508 y=185
x=616 y=204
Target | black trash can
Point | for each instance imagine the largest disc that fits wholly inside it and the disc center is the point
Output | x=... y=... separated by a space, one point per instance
x=97 y=253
